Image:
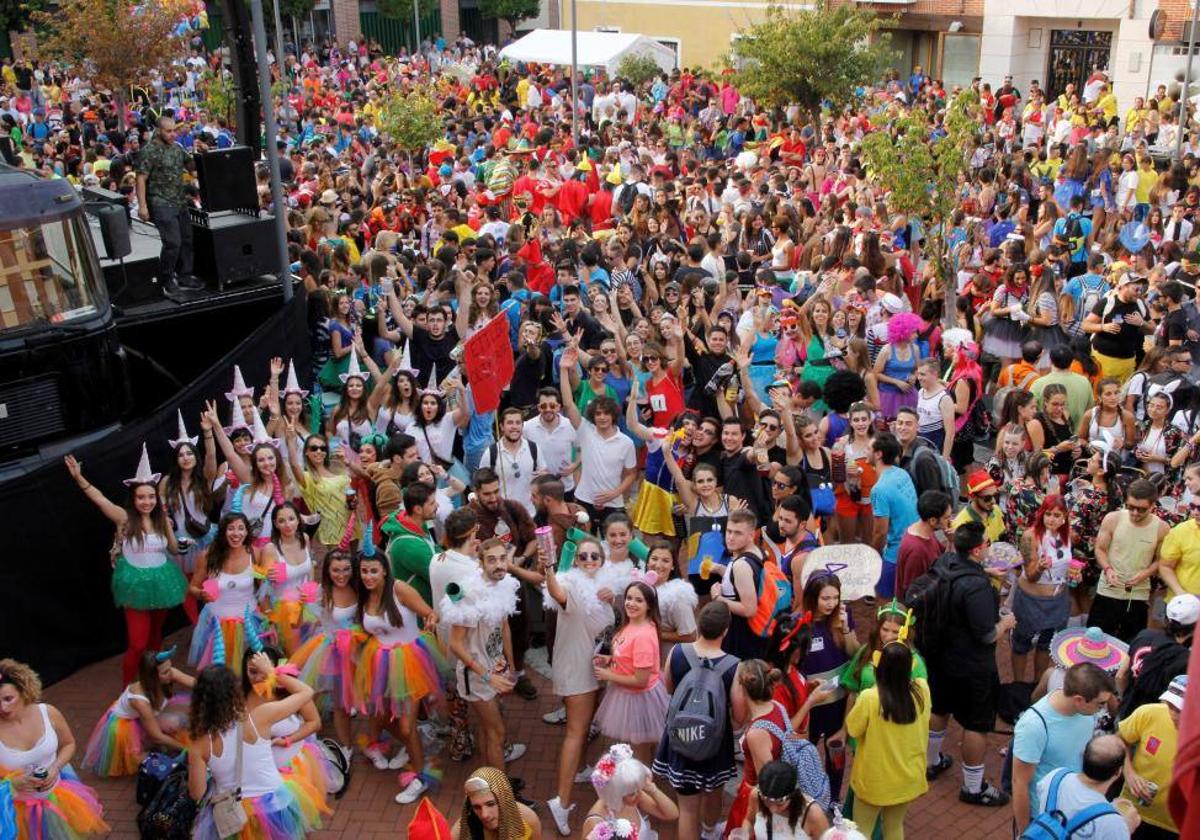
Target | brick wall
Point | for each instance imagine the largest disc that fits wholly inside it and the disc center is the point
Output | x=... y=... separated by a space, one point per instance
x=346 y=24
x=1177 y=12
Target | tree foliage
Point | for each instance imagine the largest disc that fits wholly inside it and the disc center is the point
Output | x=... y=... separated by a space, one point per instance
x=114 y=43
x=16 y=15
x=511 y=12
x=919 y=169
x=638 y=69
x=806 y=56
x=410 y=119
x=403 y=9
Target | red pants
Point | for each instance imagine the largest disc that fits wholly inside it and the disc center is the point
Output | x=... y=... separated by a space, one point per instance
x=144 y=629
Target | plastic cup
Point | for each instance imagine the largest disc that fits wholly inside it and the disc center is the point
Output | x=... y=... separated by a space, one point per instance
x=837 y=752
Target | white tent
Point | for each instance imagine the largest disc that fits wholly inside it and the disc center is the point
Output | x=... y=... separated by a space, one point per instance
x=594 y=49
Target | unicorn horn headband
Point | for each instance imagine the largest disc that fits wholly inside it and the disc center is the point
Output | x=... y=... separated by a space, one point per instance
x=253 y=639
x=165 y=655
x=143 y=475
x=353 y=370
x=431 y=387
x=218 y=654
x=293 y=384
x=240 y=388
x=183 y=435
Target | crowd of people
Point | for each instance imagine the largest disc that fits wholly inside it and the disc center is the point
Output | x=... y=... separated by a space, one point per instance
x=729 y=355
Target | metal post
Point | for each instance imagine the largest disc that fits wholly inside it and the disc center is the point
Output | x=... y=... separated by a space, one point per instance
x=279 y=59
x=272 y=133
x=416 y=27
x=1187 y=81
x=575 y=79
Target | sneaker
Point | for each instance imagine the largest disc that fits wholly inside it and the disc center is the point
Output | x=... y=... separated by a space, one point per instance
x=525 y=689
x=518 y=788
x=557 y=717
x=398 y=760
x=513 y=752
x=375 y=755
x=989 y=797
x=561 y=816
x=412 y=792
x=584 y=776
x=189 y=281
x=347 y=752
x=944 y=762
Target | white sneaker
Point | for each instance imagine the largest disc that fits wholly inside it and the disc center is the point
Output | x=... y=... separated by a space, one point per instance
x=376 y=757
x=584 y=776
x=557 y=717
x=398 y=760
x=512 y=752
x=411 y=793
x=347 y=752
x=561 y=816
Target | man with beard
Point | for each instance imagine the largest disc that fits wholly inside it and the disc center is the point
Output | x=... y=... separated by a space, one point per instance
x=513 y=458
x=790 y=535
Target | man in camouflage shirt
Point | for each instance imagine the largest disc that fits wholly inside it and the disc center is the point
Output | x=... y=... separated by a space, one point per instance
x=162 y=199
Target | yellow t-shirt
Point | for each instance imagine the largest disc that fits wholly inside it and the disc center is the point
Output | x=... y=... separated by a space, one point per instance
x=1108 y=104
x=1181 y=549
x=327 y=496
x=889 y=767
x=1154 y=738
x=993 y=526
x=1147 y=178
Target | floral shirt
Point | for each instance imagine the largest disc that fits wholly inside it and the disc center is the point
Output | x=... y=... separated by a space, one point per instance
x=1087 y=509
x=1172 y=440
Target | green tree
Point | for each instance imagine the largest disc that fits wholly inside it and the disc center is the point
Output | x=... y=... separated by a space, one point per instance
x=919 y=168
x=16 y=16
x=511 y=12
x=220 y=95
x=638 y=69
x=403 y=9
x=809 y=55
x=411 y=120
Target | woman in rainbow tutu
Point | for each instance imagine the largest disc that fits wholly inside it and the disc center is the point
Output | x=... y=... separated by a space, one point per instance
x=290 y=589
x=399 y=666
x=140 y=718
x=328 y=659
x=40 y=794
x=298 y=756
x=225 y=579
x=232 y=744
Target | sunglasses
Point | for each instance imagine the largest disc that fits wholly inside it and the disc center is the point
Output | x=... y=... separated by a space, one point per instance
x=599 y=369
x=589 y=556
x=648 y=359
x=782 y=485
x=318 y=448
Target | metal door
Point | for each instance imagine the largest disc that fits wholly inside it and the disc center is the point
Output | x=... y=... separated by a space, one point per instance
x=1074 y=55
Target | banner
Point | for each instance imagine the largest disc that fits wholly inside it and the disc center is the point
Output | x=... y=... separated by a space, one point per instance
x=488 y=360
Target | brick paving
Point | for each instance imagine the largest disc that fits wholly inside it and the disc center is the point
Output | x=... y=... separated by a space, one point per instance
x=368 y=812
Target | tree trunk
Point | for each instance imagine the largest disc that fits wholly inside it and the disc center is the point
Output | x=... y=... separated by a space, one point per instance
x=122 y=116
x=942 y=271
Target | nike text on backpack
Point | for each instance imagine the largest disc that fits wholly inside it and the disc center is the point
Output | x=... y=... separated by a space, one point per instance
x=1052 y=824
x=699 y=711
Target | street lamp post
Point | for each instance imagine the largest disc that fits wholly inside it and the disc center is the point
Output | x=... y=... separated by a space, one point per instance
x=574 y=79
x=272 y=133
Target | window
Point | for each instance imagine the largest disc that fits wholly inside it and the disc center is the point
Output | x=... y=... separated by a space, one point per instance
x=673 y=44
x=735 y=59
x=960 y=60
x=47 y=274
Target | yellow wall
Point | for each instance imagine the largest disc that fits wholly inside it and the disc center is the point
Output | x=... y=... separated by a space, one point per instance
x=703 y=27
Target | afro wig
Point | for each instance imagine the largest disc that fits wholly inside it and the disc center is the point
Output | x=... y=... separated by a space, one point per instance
x=842 y=389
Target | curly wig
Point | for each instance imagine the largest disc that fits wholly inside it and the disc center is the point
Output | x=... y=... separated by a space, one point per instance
x=903 y=327
x=843 y=388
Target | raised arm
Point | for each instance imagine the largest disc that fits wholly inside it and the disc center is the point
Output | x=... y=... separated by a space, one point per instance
x=210 y=449
x=631 y=412
x=115 y=513
x=402 y=320
x=293 y=451
x=383 y=384
x=462 y=290
x=687 y=493
x=567 y=361
x=232 y=457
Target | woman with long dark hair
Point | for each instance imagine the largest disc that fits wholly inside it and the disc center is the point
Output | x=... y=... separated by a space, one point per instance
x=189 y=497
x=261 y=478
x=289 y=566
x=780 y=810
x=891 y=724
x=145 y=583
x=225 y=581
x=219 y=720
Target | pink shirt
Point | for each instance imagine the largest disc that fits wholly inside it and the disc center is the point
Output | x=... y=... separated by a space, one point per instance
x=636 y=646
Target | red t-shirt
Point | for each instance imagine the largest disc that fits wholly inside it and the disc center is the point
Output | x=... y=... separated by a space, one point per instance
x=916 y=556
x=666 y=398
x=784 y=697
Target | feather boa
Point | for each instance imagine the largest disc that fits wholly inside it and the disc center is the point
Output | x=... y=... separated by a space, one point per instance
x=675 y=594
x=484 y=602
x=599 y=615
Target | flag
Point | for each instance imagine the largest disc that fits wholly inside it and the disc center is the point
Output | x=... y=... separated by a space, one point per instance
x=488 y=359
x=1184 y=796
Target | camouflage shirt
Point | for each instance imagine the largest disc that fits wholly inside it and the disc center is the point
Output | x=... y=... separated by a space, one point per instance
x=163 y=165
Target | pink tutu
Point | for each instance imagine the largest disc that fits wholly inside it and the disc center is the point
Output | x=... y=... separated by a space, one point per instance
x=635 y=717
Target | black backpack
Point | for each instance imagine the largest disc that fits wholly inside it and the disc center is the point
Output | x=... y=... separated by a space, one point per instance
x=928 y=596
x=171 y=811
x=153 y=771
x=626 y=198
x=699 y=710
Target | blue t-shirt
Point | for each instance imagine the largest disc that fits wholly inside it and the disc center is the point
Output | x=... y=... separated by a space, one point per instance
x=1079 y=254
x=1049 y=742
x=895 y=497
x=1091 y=284
x=478 y=434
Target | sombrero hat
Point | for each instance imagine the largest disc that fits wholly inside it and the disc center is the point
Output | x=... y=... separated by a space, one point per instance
x=1078 y=644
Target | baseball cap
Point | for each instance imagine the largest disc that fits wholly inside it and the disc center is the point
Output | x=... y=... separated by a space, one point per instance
x=1175 y=693
x=1184 y=609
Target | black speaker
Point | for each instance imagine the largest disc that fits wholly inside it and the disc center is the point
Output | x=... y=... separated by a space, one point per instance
x=114 y=231
x=226 y=179
x=233 y=246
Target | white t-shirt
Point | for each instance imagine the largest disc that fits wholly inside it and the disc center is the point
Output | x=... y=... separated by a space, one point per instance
x=604 y=459
x=515 y=471
x=1074 y=796
x=555 y=446
x=439 y=435
x=1126 y=188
